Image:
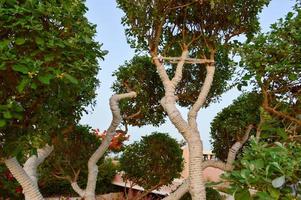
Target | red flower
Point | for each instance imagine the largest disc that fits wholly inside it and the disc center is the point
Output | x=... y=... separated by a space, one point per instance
x=19 y=189
x=117 y=140
x=9 y=175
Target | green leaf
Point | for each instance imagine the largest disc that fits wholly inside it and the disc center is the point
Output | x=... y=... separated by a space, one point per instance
x=49 y=57
x=39 y=41
x=245 y=173
x=71 y=78
x=46 y=78
x=4 y=43
x=293 y=77
x=20 y=68
x=18 y=116
x=33 y=151
x=2 y=66
x=33 y=86
x=7 y=115
x=278 y=182
x=274 y=192
x=2 y=122
x=22 y=85
x=242 y=194
x=263 y=196
x=20 y=41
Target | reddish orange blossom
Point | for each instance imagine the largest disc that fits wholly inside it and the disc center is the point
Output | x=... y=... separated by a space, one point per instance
x=117 y=141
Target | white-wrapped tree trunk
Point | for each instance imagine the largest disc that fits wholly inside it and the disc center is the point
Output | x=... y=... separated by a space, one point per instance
x=89 y=192
x=225 y=166
x=27 y=176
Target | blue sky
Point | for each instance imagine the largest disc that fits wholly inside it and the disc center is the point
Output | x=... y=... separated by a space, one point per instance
x=110 y=32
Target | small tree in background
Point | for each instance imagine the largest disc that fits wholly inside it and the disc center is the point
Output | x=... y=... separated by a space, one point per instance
x=152 y=162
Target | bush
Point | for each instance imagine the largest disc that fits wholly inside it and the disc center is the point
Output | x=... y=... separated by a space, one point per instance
x=154 y=161
x=272 y=170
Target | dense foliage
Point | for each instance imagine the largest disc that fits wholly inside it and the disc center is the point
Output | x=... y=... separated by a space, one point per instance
x=230 y=124
x=272 y=170
x=48 y=68
x=152 y=162
x=140 y=76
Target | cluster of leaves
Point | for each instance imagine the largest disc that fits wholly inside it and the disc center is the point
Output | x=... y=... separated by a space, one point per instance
x=69 y=161
x=140 y=76
x=71 y=153
x=153 y=162
x=273 y=171
x=47 y=53
x=229 y=125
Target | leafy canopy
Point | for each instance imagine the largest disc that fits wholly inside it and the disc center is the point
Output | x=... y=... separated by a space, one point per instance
x=48 y=70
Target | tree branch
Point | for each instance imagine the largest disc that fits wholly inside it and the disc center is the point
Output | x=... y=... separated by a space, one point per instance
x=228 y=166
x=179 y=192
x=161 y=70
x=32 y=163
x=274 y=112
x=192 y=114
x=146 y=192
x=92 y=167
x=77 y=189
x=178 y=74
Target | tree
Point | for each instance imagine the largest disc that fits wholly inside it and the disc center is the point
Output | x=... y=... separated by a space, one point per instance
x=228 y=126
x=152 y=162
x=89 y=191
x=199 y=32
x=271 y=63
x=271 y=164
x=48 y=76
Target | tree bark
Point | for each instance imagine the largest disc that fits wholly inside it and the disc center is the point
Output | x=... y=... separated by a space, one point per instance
x=29 y=187
x=188 y=129
x=32 y=163
x=228 y=165
x=179 y=192
x=89 y=192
